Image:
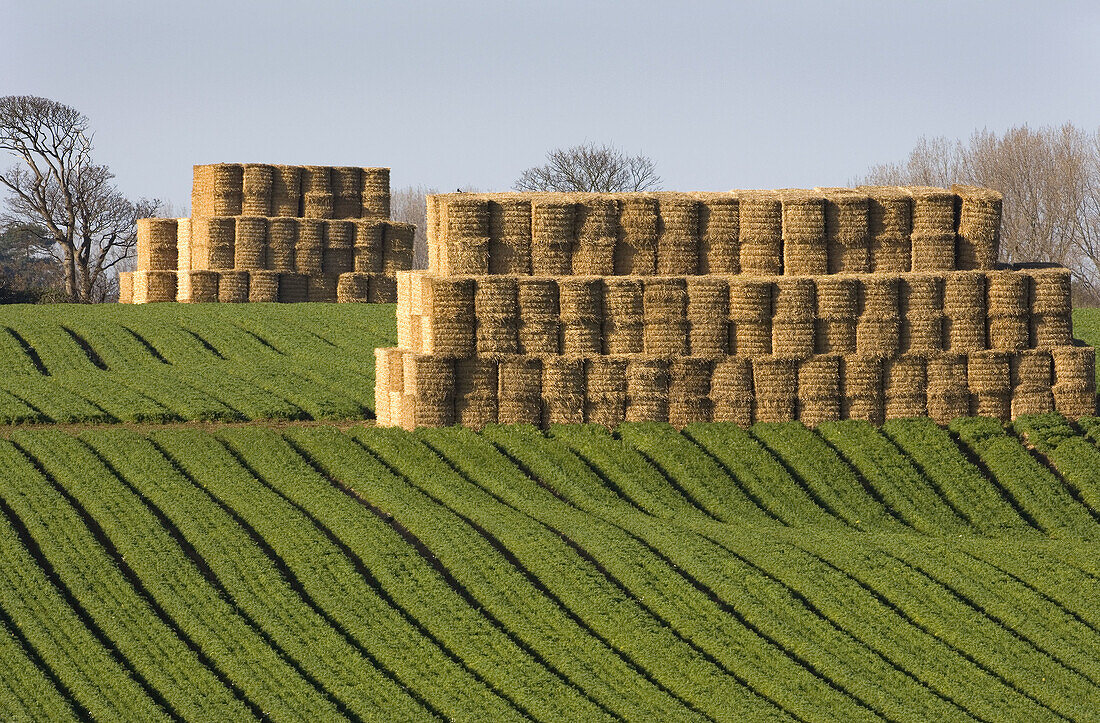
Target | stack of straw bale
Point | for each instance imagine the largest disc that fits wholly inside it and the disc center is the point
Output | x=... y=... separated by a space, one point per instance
x=297 y=229
x=751 y=306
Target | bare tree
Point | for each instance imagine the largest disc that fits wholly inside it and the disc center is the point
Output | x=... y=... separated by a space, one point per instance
x=90 y=224
x=591 y=168
x=409 y=205
x=1050 y=179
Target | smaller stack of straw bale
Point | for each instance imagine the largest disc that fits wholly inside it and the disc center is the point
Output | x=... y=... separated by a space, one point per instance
x=265 y=232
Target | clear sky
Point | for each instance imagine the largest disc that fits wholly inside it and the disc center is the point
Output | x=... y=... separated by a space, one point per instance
x=720 y=94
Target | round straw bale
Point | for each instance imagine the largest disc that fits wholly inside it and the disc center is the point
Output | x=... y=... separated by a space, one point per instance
x=665 y=298
x=862 y=376
x=948 y=392
x=719 y=233
x=154 y=286
x=125 y=287
x=921 y=333
x=250 y=246
x=636 y=248
x=1050 y=330
x=837 y=297
x=212 y=242
x=476 y=410
x=552 y=224
x=228 y=190
x=1074 y=366
x=338 y=256
x=793 y=339
x=282 y=237
x=803 y=217
x=623 y=337
x=878 y=337
x=338 y=234
x=647 y=381
x=819 y=377
x=581 y=336
x=761 y=233
x=322 y=288
x=1050 y=290
x=1031 y=370
x=293 y=288
x=879 y=297
x=368 y=249
x=353 y=287
x=775 y=409
x=183 y=244
x=1074 y=402
x=889 y=211
x=397 y=246
x=309 y=250
x=932 y=252
x=157 y=244
x=263 y=286
x=520 y=377
x=605 y=376
x=964 y=295
x=510 y=235
x=835 y=336
x=537 y=297
x=677 y=234
x=383 y=289
x=286 y=191
x=475 y=375
x=979 y=227
x=580 y=298
x=318 y=205
x=375 y=205
x=988 y=372
x=563 y=377
x=933 y=211
x=468 y=255
x=1009 y=333
x=1033 y=402
x=347 y=189
x=496 y=336
x=731 y=391
x=920 y=294
x=891 y=254
x=690 y=378
x=452 y=297
x=665 y=336
x=868 y=409
x=708 y=316
x=466 y=216
x=594 y=257
x=905 y=387
x=596 y=219
x=794 y=299
x=805 y=258
x=495 y=297
x=775 y=378
x=258 y=182
x=623 y=299
x=751 y=338
x=750 y=299
x=316 y=179
x=232 y=287
x=375 y=180
x=1008 y=293
x=847 y=238
x=995 y=405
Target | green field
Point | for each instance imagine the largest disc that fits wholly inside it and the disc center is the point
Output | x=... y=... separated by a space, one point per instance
x=908 y=573
x=179 y=362
x=281 y=572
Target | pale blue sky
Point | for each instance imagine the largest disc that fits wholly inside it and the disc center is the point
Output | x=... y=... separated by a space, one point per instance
x=720 y=94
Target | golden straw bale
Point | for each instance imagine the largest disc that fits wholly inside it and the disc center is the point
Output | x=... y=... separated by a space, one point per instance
x=353 y=287
x=581 y=336
x=921 y=332
x=665 y=301
x=948 y=389
x=263 y=286
x=347 y=189
x=250 y=243
x=596 y=230
x=338 y=256
x=905 y=386
x=847 y=232
x=322 y=288
x=552 y=225
x=987 y=372
x=376 y=193
x=368 y=249
x=497 y=323
x=428 y=375
x=819 y=390
x=310 y=247
x=317 y=179
x=708 y=315
x=291 y=288
x=258 y=182
x=318 y=205
x=761 y=233
x=212 y=242
x=636 y=247
x=647 y=380
x=1009 y=333
x=1008 y=292
x=1050 y=290
x=803 y=217
x=933 y=252
x=889 y=219
x=476 y=401
x=1032 y=379
x=719 y=233
x=197 y=287
x=538 y=316
x=862 y=379
x=1074 y=366
x=282 y=238
x=835 y=336
x=837 y=297
x=689 y=391
x=751 y=299
x=775 y=389
x=878 y=337
x=933 y=210
x=794 y=299
x=622 y=315
x=520 y=391
x=227 y=190
x=449 y=328
x=879 y=296
x=202 y=190
x=233 y=287
x=677 y=234
x=580 y=297
x=731 y=390
x=1074 y=402
x=793 y=339
x=805 y=258
x=563 y=388
x=920 y=294
x=286 y=191
x=964 y=294
x=605 y=397
x=125 y=287
x=157 y=240
x=383 y=289
x=1050 y=330
x=510 y=235
x=183 y=244
x=979 y=227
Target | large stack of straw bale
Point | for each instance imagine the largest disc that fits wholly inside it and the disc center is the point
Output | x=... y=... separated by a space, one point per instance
x=816 y=305
x=274 y=233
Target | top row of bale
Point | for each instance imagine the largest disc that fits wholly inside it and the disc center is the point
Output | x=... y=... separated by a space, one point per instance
x=261 y=189
x=868 y=229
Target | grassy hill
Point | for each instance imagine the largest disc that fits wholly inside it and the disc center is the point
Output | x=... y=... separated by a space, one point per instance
x=908 y=573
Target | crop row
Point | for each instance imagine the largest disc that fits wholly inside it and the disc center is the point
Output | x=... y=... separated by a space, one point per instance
x=909 y=572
